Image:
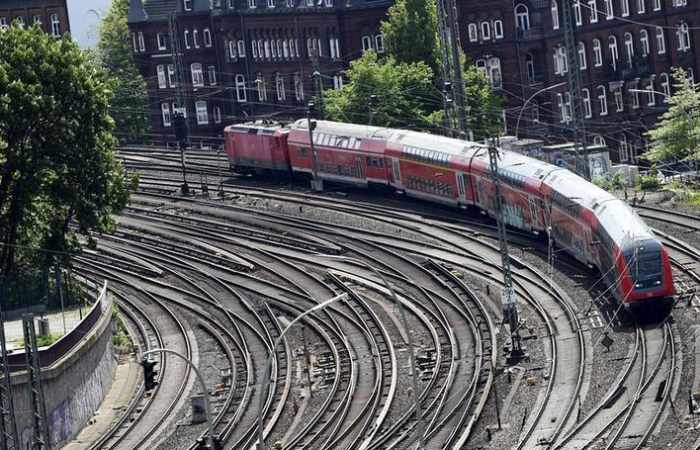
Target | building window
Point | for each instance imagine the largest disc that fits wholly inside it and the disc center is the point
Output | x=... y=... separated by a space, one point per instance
x=651 y=96
x=211 y=72
x=279 y=87
x=3 y=26
x=251 y=4
x=337 y=81
x=273 y=49
x=555 y=15
x=614 y=55
x=56 y=29
x=619 y=103
x=485 y=31
x=577 y=13
x=657 y=5
x=635 y=94
x=624 y=150
x=491 y=69
x=644 y=42
x=197 y=75
x=593 y=8
x=598 y=140
x=37 y=20
x=270 y=3
x=202 y=115
x=603 y=100
x=162 y=81
x=641 y=7
x=165 y=110
x=609 y=11
x=328 y=3
x=522 y=17
x=660 y=41
x=195 y=38
x=241 y=94
x=179 y=110
x=561 y=63
x=142 y=42
x=206 y=34
x=586 y=98
x=683 y=37
x=241 y=48
x=473 y=32
x=629 y=48
x=187 y=4
x=133 y=37
x=20 y=22
x=298 y=87
x=171 y=75
x=186 y=36
x=625 y=7
x=665 y=86
x=498 y=29
x=262 y=88
x=285 y=49
x=267 y=48
x=564 y=101
x=217 y=114
x=597 y=53
x=232 y=54
x=366 y=44
x=582 y=56
x=378 y=43
x=162 y=43
x=530 y=67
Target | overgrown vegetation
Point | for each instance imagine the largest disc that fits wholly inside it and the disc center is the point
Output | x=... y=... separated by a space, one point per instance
x=59 y=178
x=120 y=336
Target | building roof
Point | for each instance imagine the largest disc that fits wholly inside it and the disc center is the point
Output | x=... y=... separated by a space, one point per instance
x=144 y=10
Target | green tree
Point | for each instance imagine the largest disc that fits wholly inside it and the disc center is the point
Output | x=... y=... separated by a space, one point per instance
x=57 y=162
x=675 y=137
x=410 y=32
x=130 y=104
x=406 y=94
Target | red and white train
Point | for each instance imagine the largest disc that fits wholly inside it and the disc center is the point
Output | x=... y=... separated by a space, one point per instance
x=587 y=222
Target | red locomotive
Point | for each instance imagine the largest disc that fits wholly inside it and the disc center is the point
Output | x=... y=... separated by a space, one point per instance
x=587 y=222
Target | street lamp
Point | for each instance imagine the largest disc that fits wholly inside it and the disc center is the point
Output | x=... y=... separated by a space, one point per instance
x=268 y=362
x=409 y=338
x=207 y=408
x=520 y=115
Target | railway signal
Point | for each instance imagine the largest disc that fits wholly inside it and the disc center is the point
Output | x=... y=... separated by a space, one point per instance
x=181 y=134
x=149 y=373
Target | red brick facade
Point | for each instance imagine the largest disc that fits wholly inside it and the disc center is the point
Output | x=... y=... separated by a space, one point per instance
x=260 y=56
x=52 y=14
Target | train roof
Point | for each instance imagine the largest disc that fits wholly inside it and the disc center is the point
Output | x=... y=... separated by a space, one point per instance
x=266 y=127
x=345 y=129
x=413 y=141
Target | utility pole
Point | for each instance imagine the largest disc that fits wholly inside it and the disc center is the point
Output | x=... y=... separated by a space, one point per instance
x=317 y=82
x=9 y=439
x=40 y=439
x=372 y=103
x=578 y=126
x=316 y=182
x=508 y=299
x=180 y=120
x=448 y=33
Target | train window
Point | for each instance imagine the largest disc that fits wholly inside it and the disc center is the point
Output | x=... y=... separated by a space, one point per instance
x=303 y=151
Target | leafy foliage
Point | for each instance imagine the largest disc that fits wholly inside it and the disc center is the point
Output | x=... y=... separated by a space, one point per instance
x=410 y=33
x=114 y=51
x=676 y=135
x=615 y=182
x=58 y=172
x=405 y=93
x=649 y=183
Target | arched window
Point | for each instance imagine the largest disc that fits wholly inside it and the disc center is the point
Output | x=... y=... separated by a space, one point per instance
x=614 y=54
x=473 y=32
x=273 y=49
x=485 y=31
x=279 y=86
x=195 y=38
x=641 y=7
x=267 y=49
x=625 y=8
x=186 y=36
x=206 y=35
x=232 y=53
x=603 y=100
x=651 y=96
x=241 y=95
x=530 y=67
x=629 y=48
x=582 y=56
x=298 y=87
x=586 y=98
x=593 y=8
x=522 y=17
x=665 y=86
x=609 y=11
x=555 y=14
x=598 y=140
x=200 y=108
x=597 y=53
x=577 y=13
x=644 y=41
x=285 y=49
x=660 y=41
x=498 y=29
x=262 y=88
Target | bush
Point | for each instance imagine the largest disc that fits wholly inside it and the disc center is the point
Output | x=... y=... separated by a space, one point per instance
x=649 y=183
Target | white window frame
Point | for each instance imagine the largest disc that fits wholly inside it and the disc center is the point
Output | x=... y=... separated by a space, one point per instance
x=578 y=17
x=172 y=81
x=217 y=114
x=162 y=45
x=609 y=10
x=56 y=27
x=597 y=53
x=625 y=8
x=186 y=38
x=206 y=37
x=641 y=6
x=485 y=30
x=498 y=29
x=241 y=92
x=298 y=87
x=586 y=99
x=602 y=100
x=378 y=43
x=473 y=32
x=241 y=48
x=660 y=41
x=211 y=74
x=644 y=42
x=522 y=17
x=165 y=115
x=651 y=95
x=657 y=5
x=593 y=8
x=366 y=44
x=619 y=101
x=614 y=51
x=582 y=60
x=635 y=94
x=262 y=87
x=252 y=4
x=197 y=75
x=554 y=8
x=200 y=107
x=665 y=86
x=162 y=79
x=629 y=48
x=195 y=38
x=280 y=88
x=187 y=5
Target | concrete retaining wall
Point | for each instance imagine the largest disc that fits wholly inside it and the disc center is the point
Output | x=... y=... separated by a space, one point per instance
x=74 y=385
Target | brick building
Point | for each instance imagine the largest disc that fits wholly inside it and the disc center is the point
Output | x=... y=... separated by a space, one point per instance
x=243 y=58
x=52 y=15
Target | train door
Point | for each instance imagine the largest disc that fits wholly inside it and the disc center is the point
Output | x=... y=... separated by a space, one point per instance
x=359 y=167
x=461 y=188
x=396 y=167
x=535 y=213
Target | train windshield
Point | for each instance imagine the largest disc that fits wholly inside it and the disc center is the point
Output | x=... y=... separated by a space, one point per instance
x=645 y=267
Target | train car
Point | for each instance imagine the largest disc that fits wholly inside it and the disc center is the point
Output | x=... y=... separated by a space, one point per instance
x=348 y=153
x=257 y=147
x=433 y=168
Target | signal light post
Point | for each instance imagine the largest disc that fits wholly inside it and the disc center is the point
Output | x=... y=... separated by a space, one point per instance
x=149 y=381
x=316 y=182
x=181 y=136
